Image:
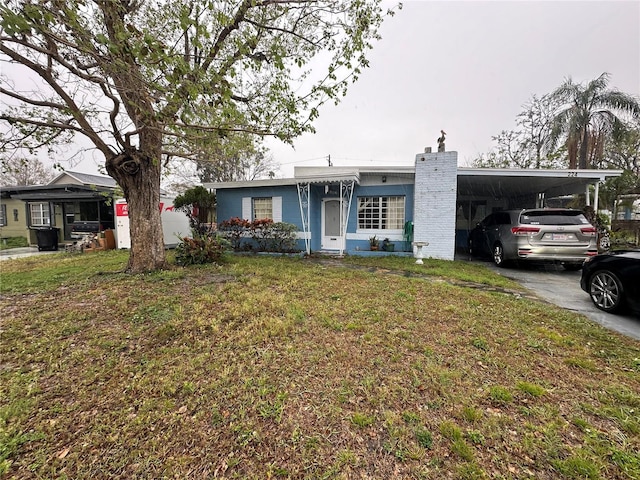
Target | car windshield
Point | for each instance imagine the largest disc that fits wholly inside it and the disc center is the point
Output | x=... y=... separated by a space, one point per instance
x=553 y=218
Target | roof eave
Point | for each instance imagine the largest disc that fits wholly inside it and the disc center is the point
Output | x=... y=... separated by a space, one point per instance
x=519 y=172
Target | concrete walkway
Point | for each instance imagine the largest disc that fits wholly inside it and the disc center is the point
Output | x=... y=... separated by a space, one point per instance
x=13 y=253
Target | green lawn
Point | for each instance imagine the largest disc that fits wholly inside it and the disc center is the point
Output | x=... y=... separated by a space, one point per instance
x=271 y=367
x=13 y=242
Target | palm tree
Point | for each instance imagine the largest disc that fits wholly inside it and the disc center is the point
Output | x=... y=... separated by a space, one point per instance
x=588 y=116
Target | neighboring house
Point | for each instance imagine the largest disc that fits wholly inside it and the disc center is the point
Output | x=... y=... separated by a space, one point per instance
x=628 y=207
x=68 y=198
x=337 y=209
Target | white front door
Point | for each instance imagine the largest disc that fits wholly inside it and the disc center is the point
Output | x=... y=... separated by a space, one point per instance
x=331 y=219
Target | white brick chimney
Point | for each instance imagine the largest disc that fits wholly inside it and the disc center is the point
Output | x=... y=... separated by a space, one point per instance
x=434 y=214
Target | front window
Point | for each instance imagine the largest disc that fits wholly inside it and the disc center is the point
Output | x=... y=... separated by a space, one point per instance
x=3 y=215
x=381 y=213
x=39 y=214
x=262 y=208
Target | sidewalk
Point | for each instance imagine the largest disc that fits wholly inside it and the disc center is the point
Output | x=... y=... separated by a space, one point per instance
x=13 y=253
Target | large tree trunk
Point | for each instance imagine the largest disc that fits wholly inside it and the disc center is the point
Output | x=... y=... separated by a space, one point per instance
x=572 y=152
x=139 y=176
x=584 y=145
x=136 y=168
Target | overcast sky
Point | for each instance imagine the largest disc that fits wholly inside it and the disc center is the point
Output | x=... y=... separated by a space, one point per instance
x=467 y=68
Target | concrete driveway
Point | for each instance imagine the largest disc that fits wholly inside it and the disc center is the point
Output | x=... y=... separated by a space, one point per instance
x=560 y=287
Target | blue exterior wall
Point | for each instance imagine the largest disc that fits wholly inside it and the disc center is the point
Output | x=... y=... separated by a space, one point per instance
x=229 y=205
x=229 y=202
x=360 y=241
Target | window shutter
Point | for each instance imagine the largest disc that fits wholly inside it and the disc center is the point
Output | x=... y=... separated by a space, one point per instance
x=246 y=208
x=276 y=206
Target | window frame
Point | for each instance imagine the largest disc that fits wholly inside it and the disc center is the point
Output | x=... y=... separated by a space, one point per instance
x=376 y=215
x=43 y=216
x=4 y=221
x=255 y=209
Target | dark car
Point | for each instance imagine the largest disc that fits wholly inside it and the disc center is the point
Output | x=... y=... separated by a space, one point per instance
x=612 y=280
x=82 y=228
x=559 y=235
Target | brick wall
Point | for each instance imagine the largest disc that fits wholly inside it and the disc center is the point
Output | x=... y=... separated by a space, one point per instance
x=434 y=213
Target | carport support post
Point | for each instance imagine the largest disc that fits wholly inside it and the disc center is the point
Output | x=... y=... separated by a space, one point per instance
x=587 y=195
x=304 y=200
x=596 y=194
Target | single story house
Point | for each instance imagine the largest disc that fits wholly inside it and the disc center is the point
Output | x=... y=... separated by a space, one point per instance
x=434 y=202
x=70 y=197
x=628 y=207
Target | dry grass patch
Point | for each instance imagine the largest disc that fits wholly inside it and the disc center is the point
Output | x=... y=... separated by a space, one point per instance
x=284 y=368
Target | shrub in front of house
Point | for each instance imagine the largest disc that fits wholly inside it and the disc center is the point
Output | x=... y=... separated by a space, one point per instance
x=200 y=250
x=263 y=235
x=234 y=231
x=260 y=232
x=282 y=237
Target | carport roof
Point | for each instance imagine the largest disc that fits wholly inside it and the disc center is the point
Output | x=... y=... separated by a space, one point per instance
x=497 y=182
x=501 y=182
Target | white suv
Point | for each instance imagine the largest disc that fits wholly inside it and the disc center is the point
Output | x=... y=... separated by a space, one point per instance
x=557 y=235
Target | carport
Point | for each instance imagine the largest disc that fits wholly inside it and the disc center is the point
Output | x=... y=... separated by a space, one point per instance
x=482 y=191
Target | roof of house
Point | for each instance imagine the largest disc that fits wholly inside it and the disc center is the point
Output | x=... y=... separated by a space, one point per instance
x=472 y=181
x=66 y=186
x=315 y=175
x=84 y=179
x=494 y=180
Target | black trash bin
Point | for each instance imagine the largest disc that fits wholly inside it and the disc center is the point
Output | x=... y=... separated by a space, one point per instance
x=47 y=238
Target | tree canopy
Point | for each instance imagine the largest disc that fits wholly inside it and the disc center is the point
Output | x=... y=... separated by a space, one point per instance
x=245 y=163
x=588 y=116
x=527 y=146
x=198 y=203
x=576 y=125
x=18 y=171
x=149 y=81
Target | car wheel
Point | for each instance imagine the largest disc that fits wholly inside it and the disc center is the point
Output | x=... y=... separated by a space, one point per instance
x=605 y=243
x=606 y=291
x=498 y=255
